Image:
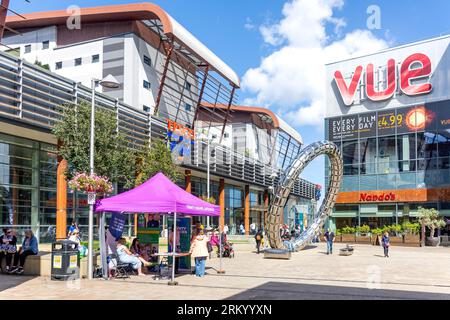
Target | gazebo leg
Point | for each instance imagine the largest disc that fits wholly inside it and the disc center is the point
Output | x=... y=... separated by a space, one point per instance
x=174 y=245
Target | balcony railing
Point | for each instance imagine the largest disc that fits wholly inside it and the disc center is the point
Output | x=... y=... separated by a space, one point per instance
x=30 y=94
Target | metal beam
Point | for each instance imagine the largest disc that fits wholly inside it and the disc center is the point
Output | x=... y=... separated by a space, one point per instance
x=163 y=79
x=228 y=113
x=200 y=97
x=3 y=13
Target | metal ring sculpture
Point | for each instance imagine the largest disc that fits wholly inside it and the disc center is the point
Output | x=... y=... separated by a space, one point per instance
x=282 y=192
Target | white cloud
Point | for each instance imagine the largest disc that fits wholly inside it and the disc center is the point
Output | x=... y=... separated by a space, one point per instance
x=249 y=24
x=291 y=80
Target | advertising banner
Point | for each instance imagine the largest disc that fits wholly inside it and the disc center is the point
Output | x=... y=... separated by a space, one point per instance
x=184 y=231
x=367 y=125
x=149 y=237
x=116 y=224
x=334 y=129
x=349 y=127
x=386 y=122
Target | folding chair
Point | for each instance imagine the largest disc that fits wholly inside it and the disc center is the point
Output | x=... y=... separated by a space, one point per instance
x=121 y=270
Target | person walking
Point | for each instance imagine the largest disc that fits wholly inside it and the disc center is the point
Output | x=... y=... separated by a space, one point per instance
x=253 y=228
x=258 y=239
x=329 y=237
x=385 y=244
x=242 y=229
x=199 y=251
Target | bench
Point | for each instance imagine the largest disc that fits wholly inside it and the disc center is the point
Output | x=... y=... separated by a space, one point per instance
x=40 y=264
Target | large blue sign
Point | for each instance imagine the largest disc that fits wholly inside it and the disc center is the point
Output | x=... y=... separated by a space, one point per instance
x=117 y=224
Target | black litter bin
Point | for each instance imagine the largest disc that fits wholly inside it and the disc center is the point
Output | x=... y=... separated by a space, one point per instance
x=65 y=260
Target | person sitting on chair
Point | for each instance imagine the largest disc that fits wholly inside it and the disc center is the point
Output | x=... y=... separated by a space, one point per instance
x=139 y=250
x=125 y=256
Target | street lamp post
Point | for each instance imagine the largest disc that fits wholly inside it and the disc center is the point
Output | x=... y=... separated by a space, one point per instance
x=108 y=82
x=208 y=179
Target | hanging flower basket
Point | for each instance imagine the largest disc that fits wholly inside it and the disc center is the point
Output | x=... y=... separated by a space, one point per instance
x=91 y=184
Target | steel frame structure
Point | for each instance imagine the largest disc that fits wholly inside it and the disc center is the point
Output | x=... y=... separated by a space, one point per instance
x=284 y=189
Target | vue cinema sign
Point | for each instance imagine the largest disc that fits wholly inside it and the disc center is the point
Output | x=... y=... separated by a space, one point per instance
x=416 y=67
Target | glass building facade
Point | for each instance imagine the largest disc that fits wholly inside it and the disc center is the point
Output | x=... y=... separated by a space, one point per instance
x=287 y=149
x=405 y=149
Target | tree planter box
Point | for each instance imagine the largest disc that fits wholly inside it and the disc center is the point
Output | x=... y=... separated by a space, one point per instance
x=363 y=240
x=348 y=238
x=375 y=240
x=338 y=238
x=432 y=241
x=396 y=240
x=412 y=240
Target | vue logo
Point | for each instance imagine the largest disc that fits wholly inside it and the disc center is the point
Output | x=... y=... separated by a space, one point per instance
x=416 y=67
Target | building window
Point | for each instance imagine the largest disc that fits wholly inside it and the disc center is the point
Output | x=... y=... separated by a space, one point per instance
x=45 y=44
x=187 y=107
x=58 y=65
x=146 y=108
x=187 y=86
x=78 y=62
x=146 y=84
x=28 y=48
x=147 y=60
x=95 y=58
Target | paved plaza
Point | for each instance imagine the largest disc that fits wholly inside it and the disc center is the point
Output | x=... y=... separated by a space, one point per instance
x=410 y=273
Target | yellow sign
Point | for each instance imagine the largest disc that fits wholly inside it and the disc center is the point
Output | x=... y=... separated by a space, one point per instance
x=57 y=262
x=73 y=261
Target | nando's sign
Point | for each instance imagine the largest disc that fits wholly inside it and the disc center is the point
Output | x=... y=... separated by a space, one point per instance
x=380 y=197
x=415 y=68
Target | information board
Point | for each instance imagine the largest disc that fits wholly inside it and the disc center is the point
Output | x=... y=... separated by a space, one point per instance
x=184 y=231
x=149 y=237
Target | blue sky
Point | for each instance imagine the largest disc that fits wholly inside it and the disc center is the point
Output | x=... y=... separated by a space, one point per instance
x=231 y=29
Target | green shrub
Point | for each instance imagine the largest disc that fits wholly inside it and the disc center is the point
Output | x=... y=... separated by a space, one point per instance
x=411 y=228
x=377 y=231
x=364 y=229
x=348 y=230
x=395 y=229
x=338 y=232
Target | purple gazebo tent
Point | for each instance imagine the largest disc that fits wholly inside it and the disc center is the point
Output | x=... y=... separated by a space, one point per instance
x=159 y=194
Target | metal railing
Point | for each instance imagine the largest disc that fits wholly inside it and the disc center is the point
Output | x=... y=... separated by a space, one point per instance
x=32 y=95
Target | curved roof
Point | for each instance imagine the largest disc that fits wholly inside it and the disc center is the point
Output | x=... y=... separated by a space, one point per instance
x=138 y=11
x=278 y=123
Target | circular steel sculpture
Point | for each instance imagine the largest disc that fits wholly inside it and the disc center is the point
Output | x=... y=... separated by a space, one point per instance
x=282 y=192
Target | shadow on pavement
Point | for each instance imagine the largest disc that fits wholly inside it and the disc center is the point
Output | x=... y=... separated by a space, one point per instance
x=295 y=291
x=10 y=281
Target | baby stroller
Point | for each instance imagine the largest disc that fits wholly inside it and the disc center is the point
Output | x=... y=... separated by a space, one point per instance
x=227 y=251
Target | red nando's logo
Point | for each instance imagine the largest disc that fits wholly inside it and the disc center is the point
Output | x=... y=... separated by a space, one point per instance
x=416 y=67
x=383 y=197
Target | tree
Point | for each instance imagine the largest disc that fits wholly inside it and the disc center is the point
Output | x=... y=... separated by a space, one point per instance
x=154 y=159
x=40 y=64
x=112 y=157
x=431 y=219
